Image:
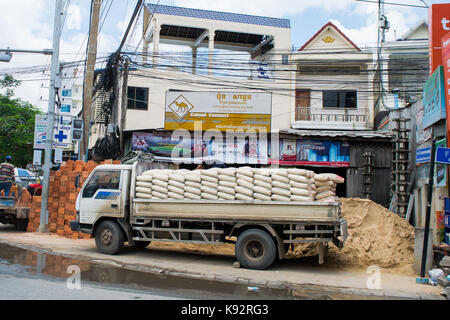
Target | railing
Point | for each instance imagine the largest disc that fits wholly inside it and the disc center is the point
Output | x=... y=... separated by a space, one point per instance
x=308 y=114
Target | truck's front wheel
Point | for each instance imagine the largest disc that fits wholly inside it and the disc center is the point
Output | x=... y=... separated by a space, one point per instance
x=109 y=237
x=255 y=249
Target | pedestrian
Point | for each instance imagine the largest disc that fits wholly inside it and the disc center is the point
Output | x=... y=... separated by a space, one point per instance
x=6 y=175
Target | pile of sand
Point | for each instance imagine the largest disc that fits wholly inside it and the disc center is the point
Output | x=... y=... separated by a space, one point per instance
x=377 y=236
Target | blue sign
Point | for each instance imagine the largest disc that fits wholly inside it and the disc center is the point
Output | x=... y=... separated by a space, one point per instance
x=433 y=98
x=423 y=155
x=443 y=155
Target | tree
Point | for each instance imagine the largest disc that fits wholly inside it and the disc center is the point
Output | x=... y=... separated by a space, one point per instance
x=16 y=124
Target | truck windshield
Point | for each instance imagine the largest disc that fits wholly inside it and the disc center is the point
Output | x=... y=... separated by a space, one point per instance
x=102 y=180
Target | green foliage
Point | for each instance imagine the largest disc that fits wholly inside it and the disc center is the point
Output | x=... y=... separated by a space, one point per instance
x=16 y=125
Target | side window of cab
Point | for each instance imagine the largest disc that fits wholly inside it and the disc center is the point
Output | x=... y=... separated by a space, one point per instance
x=109 y=180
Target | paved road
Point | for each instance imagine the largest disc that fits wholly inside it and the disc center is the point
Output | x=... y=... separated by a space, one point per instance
x=16 y=283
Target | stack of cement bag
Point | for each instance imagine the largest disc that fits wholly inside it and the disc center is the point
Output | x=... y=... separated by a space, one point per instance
x=244 y=183
x=326 y=186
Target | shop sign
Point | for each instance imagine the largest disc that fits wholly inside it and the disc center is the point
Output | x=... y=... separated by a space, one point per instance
x=223 y=111
x=433 y=99
x=438 y=27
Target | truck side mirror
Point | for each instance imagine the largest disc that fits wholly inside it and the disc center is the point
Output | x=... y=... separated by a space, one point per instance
x=77 y=181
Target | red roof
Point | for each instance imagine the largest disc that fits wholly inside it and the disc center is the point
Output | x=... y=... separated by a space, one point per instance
x=329 y=24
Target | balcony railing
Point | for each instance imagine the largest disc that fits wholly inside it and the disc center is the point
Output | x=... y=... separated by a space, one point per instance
x=345 y=115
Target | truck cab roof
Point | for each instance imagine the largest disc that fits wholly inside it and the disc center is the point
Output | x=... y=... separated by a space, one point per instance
x=114 y=167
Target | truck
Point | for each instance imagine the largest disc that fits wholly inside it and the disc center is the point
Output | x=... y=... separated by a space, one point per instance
x=262 y=231
x=11 y=213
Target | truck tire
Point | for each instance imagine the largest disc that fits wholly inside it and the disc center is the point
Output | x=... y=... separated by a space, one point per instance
x=141 y=244
x=255 y=249
x=109 y=237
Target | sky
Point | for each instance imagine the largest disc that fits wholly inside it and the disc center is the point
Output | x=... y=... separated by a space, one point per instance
x=28 y=24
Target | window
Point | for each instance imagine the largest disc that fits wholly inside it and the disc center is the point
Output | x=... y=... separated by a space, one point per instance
x=137 y=98
x=339 y=99
x=108 y=180
x=302 y=104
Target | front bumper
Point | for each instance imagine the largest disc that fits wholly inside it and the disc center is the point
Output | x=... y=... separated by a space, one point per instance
x=77 y=227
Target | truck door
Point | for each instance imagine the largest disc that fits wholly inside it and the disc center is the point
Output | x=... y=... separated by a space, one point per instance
x=101 y=196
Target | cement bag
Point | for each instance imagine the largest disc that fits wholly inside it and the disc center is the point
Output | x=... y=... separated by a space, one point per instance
x=192 y=190
x=213 y=172
x=295 y=197
x=227 y=184
x=159 y=195
x=146 y=178
x=299 y=172
x=300 y=185
x=176 y=177
x=161 y=176
x=205 y=189
x=301 y=192
x=329 y=199
x=144 y=184
x=261 y=190
x=174 y=195
x=260 y=177
x=222 y=177
x=298 y=178
x=263 y=197
x=277 y=177
x=244 y=177
x=143 y=195
x=244 y=191
x=209 y=196
x=176 y=184
x=227 y=190
x=325 y=183
x=210 y=184
x=329 y=177
x=174 y=189
x=244 y=183
x=240 y=196
x=261 y=172
x=262 y=184
x=225 y=196
x=279 y=172
x=282 y=185
x=160 y=183
x=192 y=196
x=192 y=184
x=143 y=190
x=325 y=188
x=324 y=195
x=159 y=189
x=247 y=171
x=227 y=171
x=277 y=197
x=281 y=192
x=209 y=179
x=194 y=177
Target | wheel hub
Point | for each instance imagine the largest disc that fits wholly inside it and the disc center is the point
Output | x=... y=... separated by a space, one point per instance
x=107 y=237
x=255 y=249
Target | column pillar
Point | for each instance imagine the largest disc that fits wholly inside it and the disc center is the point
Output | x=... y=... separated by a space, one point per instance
x=211 y=50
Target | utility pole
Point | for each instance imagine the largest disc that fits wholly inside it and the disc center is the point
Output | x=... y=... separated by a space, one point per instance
x=89 y=75
x=50 y=116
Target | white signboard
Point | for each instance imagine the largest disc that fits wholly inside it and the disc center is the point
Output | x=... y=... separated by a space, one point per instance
x=61 y=132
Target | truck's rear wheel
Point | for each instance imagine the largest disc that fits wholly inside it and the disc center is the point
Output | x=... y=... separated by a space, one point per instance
x=109 y=237
x=21 y=224
x=255 y=249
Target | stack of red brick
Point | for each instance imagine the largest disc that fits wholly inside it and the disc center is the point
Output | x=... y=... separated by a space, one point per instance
x=62 y=198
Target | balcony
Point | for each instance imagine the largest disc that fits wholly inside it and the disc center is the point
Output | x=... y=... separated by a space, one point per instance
x=332 y=119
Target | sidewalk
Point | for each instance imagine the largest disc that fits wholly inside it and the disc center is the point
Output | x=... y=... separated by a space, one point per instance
x=302 y=274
